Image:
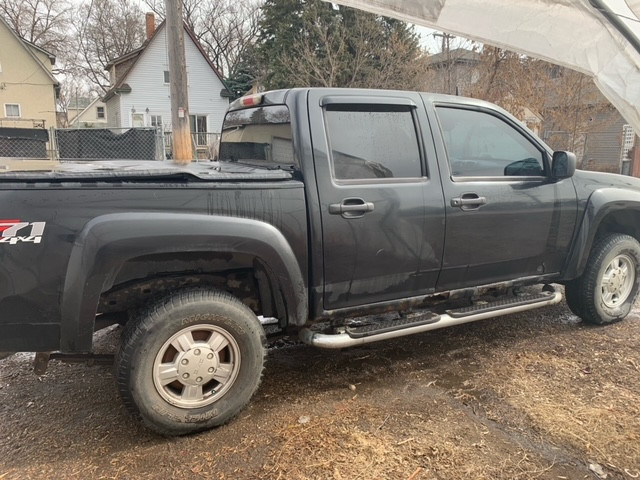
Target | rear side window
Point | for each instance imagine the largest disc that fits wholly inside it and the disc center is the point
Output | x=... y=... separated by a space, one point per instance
x=258 y=136
x=482 y=145
x=372 y=141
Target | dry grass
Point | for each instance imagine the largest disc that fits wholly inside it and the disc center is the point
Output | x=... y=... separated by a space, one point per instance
x=582 y=398
x=535 y=396
x=366 y=441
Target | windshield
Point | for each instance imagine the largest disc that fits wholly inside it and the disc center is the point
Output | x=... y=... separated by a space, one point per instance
x=258 y=136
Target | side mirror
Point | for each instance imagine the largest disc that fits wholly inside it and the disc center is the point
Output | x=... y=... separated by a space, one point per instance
x=563 y=165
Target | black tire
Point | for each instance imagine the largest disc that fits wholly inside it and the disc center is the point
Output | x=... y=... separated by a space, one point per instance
x=218 y=342
x=603 y=303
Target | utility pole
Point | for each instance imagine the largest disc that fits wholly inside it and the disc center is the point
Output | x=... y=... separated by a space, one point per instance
x=446 y=49
x=181 y=134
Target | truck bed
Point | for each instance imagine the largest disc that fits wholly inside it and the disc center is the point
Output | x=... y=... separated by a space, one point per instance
x=117 y=170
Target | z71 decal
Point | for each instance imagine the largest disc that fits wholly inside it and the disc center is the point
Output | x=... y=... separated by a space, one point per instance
x=15 y=231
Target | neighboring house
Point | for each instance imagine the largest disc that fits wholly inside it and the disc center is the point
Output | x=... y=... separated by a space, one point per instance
x=604 y=144
x=140 y=95
x=75 y=105
x=453 y=71
x=598 y=141
x=93 y=115
x=28 y=88
x=531 y=119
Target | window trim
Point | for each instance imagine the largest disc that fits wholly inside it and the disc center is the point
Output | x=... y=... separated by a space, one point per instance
x=12 y=105
x=138 y=115
x=387 y=101
x=543 y=149
x=197 y=136
x=503 y=179
x=161 y=124
x=104 y=113
x=329 y=100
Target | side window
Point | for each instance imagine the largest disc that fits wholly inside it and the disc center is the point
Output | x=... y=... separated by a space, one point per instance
x=481 y=145
x=372 y=141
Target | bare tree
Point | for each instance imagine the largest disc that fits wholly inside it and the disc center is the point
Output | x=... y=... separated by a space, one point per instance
x=567 y=103
x=106 y=29
x=575 y=110
x=225 y=28
x=45 y=23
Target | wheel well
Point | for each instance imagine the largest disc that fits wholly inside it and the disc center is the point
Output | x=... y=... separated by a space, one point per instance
x=622 y=221
x=143 y=279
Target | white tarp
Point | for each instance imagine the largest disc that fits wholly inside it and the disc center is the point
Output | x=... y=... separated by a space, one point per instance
x=571 y=33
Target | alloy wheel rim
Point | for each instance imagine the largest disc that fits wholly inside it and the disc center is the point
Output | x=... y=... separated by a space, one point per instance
x=617 y=281
x=196 y=366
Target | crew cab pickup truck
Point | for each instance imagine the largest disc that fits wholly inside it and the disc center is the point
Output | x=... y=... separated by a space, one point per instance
x=342 y=216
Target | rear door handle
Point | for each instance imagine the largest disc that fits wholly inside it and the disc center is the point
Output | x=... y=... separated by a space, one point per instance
x=468 y=201
x=351 y=208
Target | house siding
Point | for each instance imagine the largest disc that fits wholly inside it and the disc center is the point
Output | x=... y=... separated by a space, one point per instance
x=604 y=140
x=151 y=96
x=113 y=111
x=25 y=83
x=88 y=118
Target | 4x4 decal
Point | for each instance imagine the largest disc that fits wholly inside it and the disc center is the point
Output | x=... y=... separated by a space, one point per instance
x=14 y=231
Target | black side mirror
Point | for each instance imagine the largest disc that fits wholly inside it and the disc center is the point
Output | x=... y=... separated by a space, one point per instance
x=563 y=165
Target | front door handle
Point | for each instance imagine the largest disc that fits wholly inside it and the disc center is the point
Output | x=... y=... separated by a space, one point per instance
x=351 y=208
x=468 y=201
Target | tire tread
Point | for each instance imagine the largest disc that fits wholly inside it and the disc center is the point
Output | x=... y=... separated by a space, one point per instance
x=580 y=293
x=140 y=326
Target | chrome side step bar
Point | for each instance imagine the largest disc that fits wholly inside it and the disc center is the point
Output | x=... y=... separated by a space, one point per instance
x=452 y=317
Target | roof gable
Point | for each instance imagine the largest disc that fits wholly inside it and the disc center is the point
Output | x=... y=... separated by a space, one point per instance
x=134 y=56
x=28 y=48
x=454 y=56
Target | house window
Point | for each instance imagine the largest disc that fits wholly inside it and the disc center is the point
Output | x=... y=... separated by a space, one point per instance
x=199 y=129
x=100 y=112
x=166 y=76
x=137 y=120
x=156 y=121
x=12 y=110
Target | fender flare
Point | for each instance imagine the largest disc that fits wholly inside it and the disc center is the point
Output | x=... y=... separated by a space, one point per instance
x=108 y=241
x=600 y=204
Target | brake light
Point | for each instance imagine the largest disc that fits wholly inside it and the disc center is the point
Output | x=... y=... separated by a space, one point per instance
x=251 y=100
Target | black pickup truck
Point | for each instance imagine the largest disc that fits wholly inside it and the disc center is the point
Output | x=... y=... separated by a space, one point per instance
x=342 y=216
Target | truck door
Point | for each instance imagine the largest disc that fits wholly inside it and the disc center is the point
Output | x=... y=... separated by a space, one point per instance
x=380 y=199
x=506 y=217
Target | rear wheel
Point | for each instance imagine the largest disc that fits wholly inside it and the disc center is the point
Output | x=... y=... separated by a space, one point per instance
x=608 y=288
x=191 y=362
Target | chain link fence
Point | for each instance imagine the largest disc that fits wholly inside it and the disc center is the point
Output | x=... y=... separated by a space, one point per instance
x=22 y=138
x=87 y=144
x=109 y=144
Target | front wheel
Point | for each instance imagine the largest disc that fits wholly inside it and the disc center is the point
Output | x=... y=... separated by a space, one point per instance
x=191 y=362
x=609 y=286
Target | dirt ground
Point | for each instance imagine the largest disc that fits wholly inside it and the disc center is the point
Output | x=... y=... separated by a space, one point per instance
x=533 y=395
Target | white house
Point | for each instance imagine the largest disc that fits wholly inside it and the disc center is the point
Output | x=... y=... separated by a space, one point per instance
x=140 y=95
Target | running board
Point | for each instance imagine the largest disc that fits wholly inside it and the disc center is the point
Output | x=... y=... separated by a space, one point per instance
x=427 y=321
